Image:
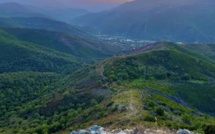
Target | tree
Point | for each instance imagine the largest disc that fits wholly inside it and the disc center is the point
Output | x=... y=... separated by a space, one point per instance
x=209 y=129
x=186 y=77
x=93 y=102
x=186 y=119
x=160 y=111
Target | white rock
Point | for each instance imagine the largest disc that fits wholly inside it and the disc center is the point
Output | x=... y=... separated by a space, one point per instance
x=184 y=131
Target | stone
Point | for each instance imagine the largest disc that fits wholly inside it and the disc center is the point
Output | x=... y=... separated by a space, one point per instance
x=121 y=132
x=97 y=130
x=127 y=131
x=73 y=132
x=83 y=132
x=184 y=131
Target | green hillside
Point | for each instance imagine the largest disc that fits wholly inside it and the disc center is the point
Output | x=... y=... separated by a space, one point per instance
x=24 y=56
x=35 y=82
x=86 y=49
x=188 y=76
x=167 y=81
x=27 y=72
x=203 y=49
x=166 y=85
x=42 y=23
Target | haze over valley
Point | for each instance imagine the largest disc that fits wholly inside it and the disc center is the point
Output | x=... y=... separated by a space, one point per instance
x=107 y=67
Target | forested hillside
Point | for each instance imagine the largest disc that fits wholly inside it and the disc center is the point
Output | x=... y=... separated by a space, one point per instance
x=145 y=66
x=163 y=81
x=43 y=23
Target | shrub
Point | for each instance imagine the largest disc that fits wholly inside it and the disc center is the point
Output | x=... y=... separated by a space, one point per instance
x=186 y=119
x=161 y=76
x=149 y=118
x=99 y=83
x=197 y=125
x=186 y=77
x=208 y=129
x=151 y=104
x=93 y=102
x=110 y=104
x=159 y=111
x=114 y=109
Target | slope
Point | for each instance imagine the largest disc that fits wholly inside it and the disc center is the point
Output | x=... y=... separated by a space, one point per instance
x=88 y=50
x=24 y=56
x=158 y=87
x=161 y=86
x=166 y=63
x=34 y=79
x=65 y=14
x=13 y=9
x=204 y=49
x=44 y=24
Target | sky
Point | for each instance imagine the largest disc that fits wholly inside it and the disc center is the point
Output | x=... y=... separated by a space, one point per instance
x=93 y=5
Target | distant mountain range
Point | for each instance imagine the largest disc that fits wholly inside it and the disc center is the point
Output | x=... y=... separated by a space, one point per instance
x=56 y=77
x=15 y=15
x=43 y=23
x=66 y=15
x=83 y=49
x=13 y=9
x=184 y=20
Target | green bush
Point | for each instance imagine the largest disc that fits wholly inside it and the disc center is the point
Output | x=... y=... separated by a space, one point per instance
x=208 y=129
x=186 y=119
x=149 y=118
x=161 y=76
x=114 y=109
x=186 y=77
x=159 y=111
x=110 y=104
x=151 y=104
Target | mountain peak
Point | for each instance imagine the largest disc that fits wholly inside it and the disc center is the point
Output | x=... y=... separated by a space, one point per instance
x=11 y=5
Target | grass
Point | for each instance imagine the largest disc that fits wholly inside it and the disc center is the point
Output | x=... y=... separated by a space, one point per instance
x=122 y=92
x=161 y=85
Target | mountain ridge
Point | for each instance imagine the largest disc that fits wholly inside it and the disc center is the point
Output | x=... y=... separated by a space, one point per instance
x=160 y=21
x=43 y=24
x=57 y=77
x=15 y=9
x=75 y=45
x=159 y=82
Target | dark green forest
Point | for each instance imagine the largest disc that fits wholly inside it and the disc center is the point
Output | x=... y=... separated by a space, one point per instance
x=50 y=89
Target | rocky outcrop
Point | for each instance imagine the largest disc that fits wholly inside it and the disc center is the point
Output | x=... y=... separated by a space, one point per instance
x=141 y=130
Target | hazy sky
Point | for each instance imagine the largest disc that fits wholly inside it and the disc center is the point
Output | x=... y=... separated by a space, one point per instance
x=87 y=4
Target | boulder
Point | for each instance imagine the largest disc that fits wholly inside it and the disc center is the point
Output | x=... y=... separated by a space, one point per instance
x=73 y=132
x=121 y=132
x=103 y=132
x=184 y=131
x=127 y=131
x=83 y=132
x=97 y=130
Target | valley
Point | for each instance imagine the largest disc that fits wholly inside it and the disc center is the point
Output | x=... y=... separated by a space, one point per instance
x=61 y=73
x=177 y=21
